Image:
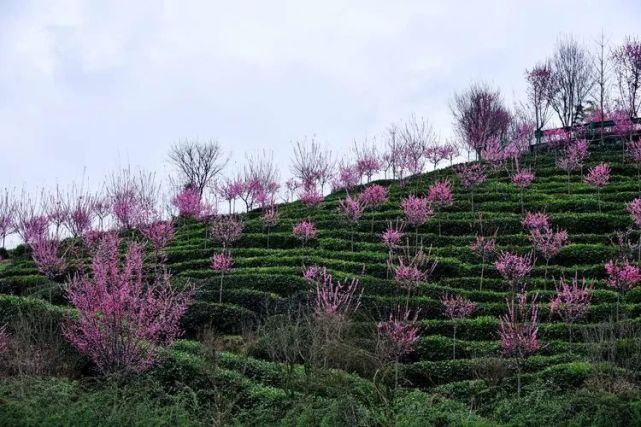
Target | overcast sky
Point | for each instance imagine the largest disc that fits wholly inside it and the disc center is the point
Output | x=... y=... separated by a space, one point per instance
x=93 y=86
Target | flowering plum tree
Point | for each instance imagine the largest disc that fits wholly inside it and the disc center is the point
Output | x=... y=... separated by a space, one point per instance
x=598 y=176
x=535 y=221
x=622 y=276
x=311 y=198
x=335 y=299
x=439 y=196
x=226 y=230
x=522 y=180
x=470 y=177
x=514 y=269
x=485 y=248
x=188 y=202
x=518 y=330
x=417 y=212
x=305 y=231
x=221 y=263
x=457 y=308
x=373 y=197
x=571 y=301
x=46 y=253
x=270 y=219
x=159 y=233
x=230 y=190
x=573 y=158
x=548 y=243
x=121 y=321
x=400 y=332
x=352 y=210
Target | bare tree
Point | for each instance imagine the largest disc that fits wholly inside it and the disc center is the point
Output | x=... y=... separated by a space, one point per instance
x=627 y=67
x=539 y=93
x=480 y=116
x=261 y=178
x=416 y=135
x=7 y=215
x=573 y=80
x=311 y=164
x=197 y=163
x=601 y=92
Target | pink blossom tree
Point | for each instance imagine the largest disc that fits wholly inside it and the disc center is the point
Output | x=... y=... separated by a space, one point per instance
x=471 y=176
x=457 y=308
x=439 y=196
x=522 y=180
x=518 y=330
x=311 y=198
x=335 y=299
x=484 y=248
x=514 y=269
x=598 y=176
x=132 y=197
x=391 y=240
x=417 y=212
x=159 y=233
x=270 y=219
x=226 y=230
x=411 y=271
x=400 y=332
x=373 y=197
x=634 y=209
x=305 y=231
x=573 y=158
x=548 y=243
x=622 y=276
x=352 y=211
x=121 y=321
x=571 y=301
x=221 y=263
x=46 y=253
x=230 y=190
x=188 y=203
x=347 y=177
x=535 y=221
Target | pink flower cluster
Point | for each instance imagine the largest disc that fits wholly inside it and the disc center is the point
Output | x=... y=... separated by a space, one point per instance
x=271 y=217
x=634 y=208
x=311 y=198
x=417 y=210
x=121 y=322
x=599 y=176
x=457 y=307
x=548 y=242
x=46 y=254
x=513 y=267
x=483 y=246
x=401 y=331
x=408 y=275
x=159 y=233
x=391 y=237
x=523 y=178
x=519 y=328
x=352 y=209
x=226 y=230
x=574 y=156
x=471 y=175
x=622 y=276
x=572 y=300
x=535 y=221
x=335 y=299
x=221 y=262
x=188 y=202
x=305 y=231
x=374 y=196
x=440 y=194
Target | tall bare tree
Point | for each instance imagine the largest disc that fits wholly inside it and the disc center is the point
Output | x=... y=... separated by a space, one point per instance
x=573 y=79
x=627 y=68
x=197 y=163
x=539 y=94
x=601 y=93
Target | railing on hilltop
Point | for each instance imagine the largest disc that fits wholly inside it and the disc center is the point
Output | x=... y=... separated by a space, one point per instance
x=592 y=131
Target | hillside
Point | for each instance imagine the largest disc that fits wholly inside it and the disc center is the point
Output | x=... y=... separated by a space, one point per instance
x=475 y=387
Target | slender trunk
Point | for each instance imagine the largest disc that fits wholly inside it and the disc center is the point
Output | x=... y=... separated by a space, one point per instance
x=454 y=342
x=352 y=236
x=522 y=208
x=220 y=290
x=598 y=198
x=482 y=272
x=268 y=230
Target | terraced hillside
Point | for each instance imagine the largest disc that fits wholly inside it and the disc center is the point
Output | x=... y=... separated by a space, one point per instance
x=265 y=281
